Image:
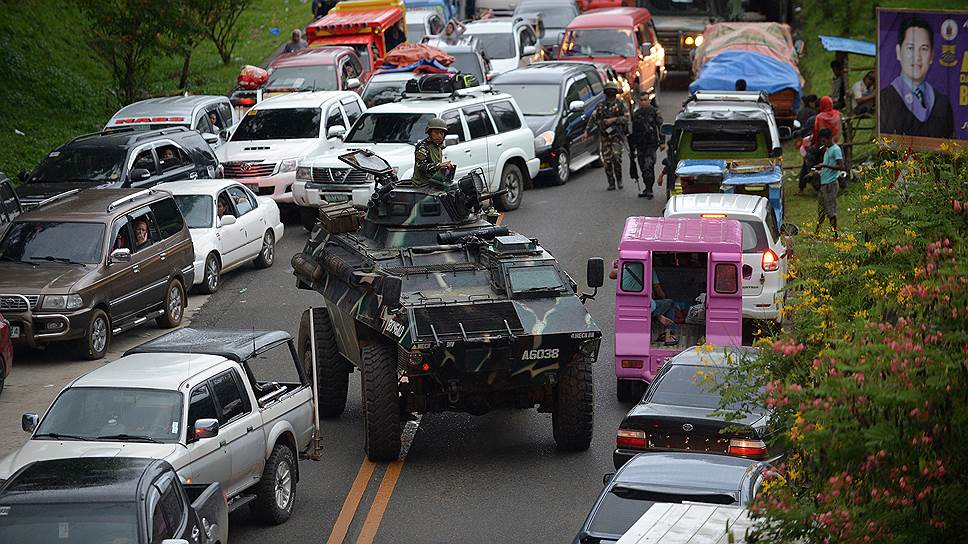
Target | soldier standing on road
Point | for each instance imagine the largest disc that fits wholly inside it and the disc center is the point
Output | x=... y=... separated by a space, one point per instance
x=612 y=120
x=429 y=167
x=646 y=136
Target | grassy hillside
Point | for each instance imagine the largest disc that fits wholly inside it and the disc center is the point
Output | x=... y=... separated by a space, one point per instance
x=55 y=88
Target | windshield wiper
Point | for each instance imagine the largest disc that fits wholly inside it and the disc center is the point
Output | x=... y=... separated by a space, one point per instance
x=610 y=52
x=123 y=436
x=11 y=259
x=52 y=258
x=59 y=436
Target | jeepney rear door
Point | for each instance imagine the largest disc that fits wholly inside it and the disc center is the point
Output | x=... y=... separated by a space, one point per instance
x=724 y=299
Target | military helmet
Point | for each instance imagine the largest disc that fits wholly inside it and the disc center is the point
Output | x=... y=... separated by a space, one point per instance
x=612 y=87
x=437 y=123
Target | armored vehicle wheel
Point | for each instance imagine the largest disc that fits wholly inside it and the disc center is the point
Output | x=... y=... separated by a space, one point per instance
x=629 y=390
x=381 y=404
x=513 y=181
x=308 y=216
x=332 y=372
x=572 y=415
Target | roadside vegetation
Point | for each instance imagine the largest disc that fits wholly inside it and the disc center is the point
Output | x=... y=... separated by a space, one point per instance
x=59 y=87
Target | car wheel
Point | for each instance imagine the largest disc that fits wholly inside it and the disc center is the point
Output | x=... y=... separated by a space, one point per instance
x=268 y=251
x=174 y=306
x=97 y=338
x=629 y=391
x=513 y=181
x=332 y=371
x=3 y=373
x=381 y=403
x=563 y=171
x=573 y=412
x=213 y=274
x=308 y=217
x=276 y=491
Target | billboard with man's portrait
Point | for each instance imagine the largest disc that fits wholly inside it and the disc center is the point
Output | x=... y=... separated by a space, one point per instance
x=922 y=76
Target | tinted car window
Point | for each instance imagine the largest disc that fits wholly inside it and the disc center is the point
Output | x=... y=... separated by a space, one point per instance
x=225 y=115
x=171 y=157
x=161 y=527
x=496 y=46
x=381 y=92
x=201 y=406
x=468 y=63
x=334 y=118
x=169 y=219
x=279 y=124
x=303 y=78
x=82 y=164
x=478 y=122
x=242 y=202
x=599 y=42
x=197 y=210
x=8 y=200
x=353 y=111
x=584 y=91
x=145 y=159
x=533 y=98
x=596 y=83
x=389 y=128
x=620 y=508
x=685 y=385
x=229 y=396
x=39 y=241
x=454 y=125
x=171 y=506
x=504 y=116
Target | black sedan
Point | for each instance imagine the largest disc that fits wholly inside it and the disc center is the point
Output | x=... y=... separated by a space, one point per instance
x=677 y=412
x=651 y=478
x=557 y=98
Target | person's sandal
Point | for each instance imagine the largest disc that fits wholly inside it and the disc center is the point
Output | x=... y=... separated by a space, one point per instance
x=670 y=339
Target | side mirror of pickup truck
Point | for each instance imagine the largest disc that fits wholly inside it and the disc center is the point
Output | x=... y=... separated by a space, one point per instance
x=28 y=422
x=206 y=428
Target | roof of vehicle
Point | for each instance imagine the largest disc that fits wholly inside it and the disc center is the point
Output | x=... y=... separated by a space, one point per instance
x=700 y=472
x=169 y=106
x=494 y=24
x=91 y=204
x=610 y=18
x=197 y=186
x=726 y=110
x=312 y=99
x=728 y=203
x=419 y=15
x=125 y=137
x=431 y=104
x=540 y=72
x=676 y=233
x=311 y=57
x=80 y=479
x=236 y=345
x=147 y=370
x=719 y=356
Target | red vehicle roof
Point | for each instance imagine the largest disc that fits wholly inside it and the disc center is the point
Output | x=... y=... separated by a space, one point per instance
x=343 y=22
x=610 y=18
x=317 y=56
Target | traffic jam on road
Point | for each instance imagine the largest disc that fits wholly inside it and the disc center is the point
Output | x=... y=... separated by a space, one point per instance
x=405 y=162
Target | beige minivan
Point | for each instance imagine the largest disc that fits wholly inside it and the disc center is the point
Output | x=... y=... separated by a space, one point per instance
x=88 y=264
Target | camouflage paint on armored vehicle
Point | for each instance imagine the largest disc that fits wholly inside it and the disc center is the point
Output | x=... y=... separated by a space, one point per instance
x=442 y=310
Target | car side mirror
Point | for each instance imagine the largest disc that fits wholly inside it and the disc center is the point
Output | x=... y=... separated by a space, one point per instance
x=336 y=132
x=646 y=48
x=796 y=124
x=121 y=255
x=28 y=422
x=607 y=477
x=224 y=134
x=139 y=174
x=352 y=83
x=206 y=428
x=23 y=175
x=451 y=139
x=595 y=272
x=528 y=51
x=785 y=132
x=226 y=220
x=667 y=129
x=576 y=105
x=210 y=138
x=789 y=229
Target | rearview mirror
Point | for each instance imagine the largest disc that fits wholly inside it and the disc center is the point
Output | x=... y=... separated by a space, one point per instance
x=226 y=220
x=607 y=477
x=336 y=132
x=595 y=272
x=667 y=129
x=576 y=105
x=352 y=83
x=121 y=255
x=796 y=124
x=139 y=174
x=451 y=139
x=224 y=134
x=790 y=229
x=528 y=51
x=646 y=48
x=28 y=422
x=210 y=138
x=206 y=428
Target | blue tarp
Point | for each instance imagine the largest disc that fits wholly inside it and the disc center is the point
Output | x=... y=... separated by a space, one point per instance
x=762 y=73
x=769 y=176
x=700 y=167
x=833 y=43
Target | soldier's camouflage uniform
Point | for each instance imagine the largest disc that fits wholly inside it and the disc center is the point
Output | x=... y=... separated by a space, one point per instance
x=426 y=167
x=645 y=139
x=612 y=137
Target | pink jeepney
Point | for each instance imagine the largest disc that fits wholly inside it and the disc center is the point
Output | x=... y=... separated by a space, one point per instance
x=697 y=265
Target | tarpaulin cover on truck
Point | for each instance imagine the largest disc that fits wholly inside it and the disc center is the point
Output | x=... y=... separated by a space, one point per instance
x=762 y=73
x=769 y=39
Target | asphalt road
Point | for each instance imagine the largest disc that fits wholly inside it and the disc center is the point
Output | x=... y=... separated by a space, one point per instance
x=491 y=478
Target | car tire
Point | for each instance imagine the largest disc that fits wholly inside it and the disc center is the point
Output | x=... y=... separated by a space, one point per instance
x=212 y=278
x=629 y=391
x=276 y=491
x=308 y=217
x=332 y=371
x=562 y=168
x=573 y=411
x=97 y=337
x=174 y=305
x=3 y=373
x=381 y=403
x=513 y=180
x=268 y=252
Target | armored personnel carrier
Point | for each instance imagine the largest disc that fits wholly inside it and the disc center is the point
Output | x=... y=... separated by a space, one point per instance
x=442 y=310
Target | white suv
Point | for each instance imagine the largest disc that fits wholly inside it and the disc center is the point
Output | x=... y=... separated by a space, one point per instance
x=764 y=253
x=508 y=42
x=485 y=130
x=268 y=142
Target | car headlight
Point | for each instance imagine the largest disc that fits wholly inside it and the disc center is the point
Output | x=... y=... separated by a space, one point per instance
x=287 y=165
x=544 y=140
x=62 y=302
x=304 y=173
x=698 y=41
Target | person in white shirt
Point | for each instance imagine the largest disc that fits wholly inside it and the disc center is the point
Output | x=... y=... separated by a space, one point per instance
x=863 y=96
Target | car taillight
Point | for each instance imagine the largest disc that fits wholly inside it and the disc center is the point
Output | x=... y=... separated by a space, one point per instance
x=631 y=363
x=631 y=439
x=748 y=448
x=771 y=262
x=245 y=101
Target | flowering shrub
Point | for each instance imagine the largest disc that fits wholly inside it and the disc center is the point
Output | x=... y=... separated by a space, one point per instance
x=869 y=377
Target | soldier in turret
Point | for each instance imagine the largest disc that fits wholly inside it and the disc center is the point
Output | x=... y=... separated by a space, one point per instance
x=430 y=168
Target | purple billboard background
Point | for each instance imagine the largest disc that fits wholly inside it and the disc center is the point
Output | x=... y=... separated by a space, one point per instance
x=944 y=73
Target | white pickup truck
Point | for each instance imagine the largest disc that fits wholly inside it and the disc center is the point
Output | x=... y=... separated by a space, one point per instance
x=233 y=407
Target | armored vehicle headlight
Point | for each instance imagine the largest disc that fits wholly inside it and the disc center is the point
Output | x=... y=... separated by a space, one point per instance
x=589 y=347
x=304 y=173
x=62 y=302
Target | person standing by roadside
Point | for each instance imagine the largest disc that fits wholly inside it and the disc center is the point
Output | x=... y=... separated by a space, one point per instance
x=807 y=112
x=296 y=42
x=838 y=84
x=645 y=138
x=612 y=119
x=830 y=168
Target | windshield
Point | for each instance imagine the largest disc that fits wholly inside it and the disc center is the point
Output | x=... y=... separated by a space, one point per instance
x=40 y=241
x=381 y=92
x=279 y=124
x=678 y=7
x=534 y=278
x=552 y=15
x=69 y=523
x=496 y=46
x=599 y=41
x=197 y=210
x=119 y=414
x=533 y=99
x=686 y=385
x=623 y=506
x=100 y=164
x=389 y=128
x=468 y=63
x=303 y=78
